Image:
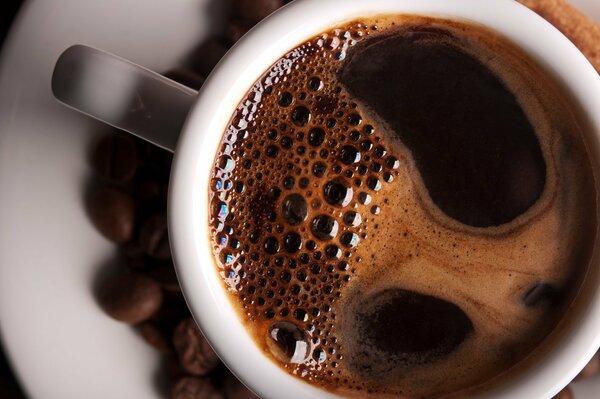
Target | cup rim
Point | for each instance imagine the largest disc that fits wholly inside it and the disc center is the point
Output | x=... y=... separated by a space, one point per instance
x=239 y=69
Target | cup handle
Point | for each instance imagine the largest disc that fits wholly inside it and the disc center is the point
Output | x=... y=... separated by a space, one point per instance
x=122 y=94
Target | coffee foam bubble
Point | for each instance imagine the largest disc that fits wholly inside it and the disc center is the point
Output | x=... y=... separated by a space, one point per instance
x=317 y=210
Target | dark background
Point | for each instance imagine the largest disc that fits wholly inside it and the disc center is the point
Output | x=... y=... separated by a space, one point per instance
x=9 y=388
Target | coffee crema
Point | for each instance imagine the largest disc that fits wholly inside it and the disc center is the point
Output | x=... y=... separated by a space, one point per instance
x=402 y=206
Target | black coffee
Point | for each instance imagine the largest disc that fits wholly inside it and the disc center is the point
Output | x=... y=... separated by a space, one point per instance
x=402 y=205
x=464 y=127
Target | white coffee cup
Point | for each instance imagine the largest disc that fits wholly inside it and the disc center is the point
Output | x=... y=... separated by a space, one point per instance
x=561 y=358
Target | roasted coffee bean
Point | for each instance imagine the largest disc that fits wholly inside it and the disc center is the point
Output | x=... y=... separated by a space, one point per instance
x=155 y=337
x=116 y=158
x=167 y=277
x=592 y=369
x=194 y=388
x=186 y=77
x=207 y=55
x=255 y=10
x=237 y=28
x=112 y=211
x=195 y=354
x=234 y=389
x=154 y=237
x=130 y=297
x=566 y=393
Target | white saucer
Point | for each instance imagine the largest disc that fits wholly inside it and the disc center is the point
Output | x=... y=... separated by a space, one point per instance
x=60 y=344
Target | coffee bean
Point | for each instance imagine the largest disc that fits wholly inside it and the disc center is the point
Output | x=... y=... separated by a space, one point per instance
x=194 y=388
x=154 y=237
x=195 y=353
x=155 y=337
x=234 y=389
x=186 y=77
x=130 y=297
x=592 y=369
x=116 y=158
x=207 y=55
x=112 y=211
x=167 y=277
x=566 y=393
x=255 y=10
x=237 y=28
